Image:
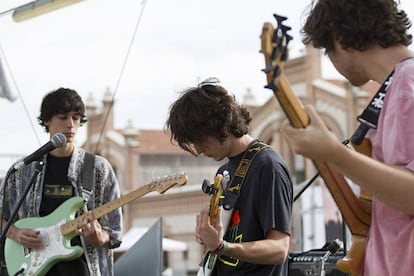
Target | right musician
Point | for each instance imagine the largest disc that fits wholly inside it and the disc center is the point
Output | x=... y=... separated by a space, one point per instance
x=367 y=41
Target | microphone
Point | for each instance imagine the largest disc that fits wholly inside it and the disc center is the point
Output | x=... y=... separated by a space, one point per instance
x=332 y=248
x=58 y=140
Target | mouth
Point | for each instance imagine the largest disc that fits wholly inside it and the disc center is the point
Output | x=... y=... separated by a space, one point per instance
x=69 y=134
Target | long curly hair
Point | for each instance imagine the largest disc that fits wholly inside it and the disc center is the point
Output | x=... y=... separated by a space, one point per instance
x=356 y=24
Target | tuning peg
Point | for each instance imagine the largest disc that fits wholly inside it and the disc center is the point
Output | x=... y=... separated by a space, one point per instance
x=208 y=187
x=271 y=86
x=285 y=28
x=276 y=71
x=284 y=56
x=281 y=29
x=279 y=18
x=269 y=68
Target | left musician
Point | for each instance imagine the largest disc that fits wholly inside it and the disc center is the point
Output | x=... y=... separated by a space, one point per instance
x=63 y=111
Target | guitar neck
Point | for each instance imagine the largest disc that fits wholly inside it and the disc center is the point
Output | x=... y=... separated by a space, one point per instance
x=128 y=198
x=214 y=200
x=160 y=186
x=73 y=225
x=290 y=104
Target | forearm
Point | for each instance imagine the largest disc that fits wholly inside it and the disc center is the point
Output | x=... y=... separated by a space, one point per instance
x=265 y=252
x=391 y=184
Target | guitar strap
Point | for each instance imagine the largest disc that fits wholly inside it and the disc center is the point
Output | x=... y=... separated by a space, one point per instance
x=369 y=117
x=88 y=175
x=232 y=192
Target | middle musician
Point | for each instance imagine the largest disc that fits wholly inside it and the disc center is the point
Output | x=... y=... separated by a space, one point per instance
x=208 y=120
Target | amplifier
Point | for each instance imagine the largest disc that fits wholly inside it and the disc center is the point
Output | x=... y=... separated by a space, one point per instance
x=309 y=263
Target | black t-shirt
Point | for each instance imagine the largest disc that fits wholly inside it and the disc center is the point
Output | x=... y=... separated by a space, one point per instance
x=56 y=190
x=265 y=204
x=56 y=186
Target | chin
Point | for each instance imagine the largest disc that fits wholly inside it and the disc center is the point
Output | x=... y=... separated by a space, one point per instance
x=358 y=81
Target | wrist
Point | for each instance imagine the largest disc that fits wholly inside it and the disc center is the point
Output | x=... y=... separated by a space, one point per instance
x=104 y=238
x=112 y=242
x=221 y=248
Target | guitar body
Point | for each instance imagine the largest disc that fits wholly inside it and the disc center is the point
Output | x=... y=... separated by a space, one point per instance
x=352 y=262
x=57 y=247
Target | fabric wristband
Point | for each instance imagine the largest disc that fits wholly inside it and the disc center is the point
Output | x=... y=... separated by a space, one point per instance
x=221 y=248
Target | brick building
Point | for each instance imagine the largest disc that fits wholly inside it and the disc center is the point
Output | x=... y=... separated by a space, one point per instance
x=140 y=156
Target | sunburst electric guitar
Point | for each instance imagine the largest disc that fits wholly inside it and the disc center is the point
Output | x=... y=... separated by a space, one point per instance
x=216 y=191
x=58 y=228
x=356 y=210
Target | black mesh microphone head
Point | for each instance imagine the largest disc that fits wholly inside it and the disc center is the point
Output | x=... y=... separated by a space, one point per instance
x=334 y=246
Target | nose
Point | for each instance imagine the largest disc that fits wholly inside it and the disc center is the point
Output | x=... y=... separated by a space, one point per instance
x=70 y=122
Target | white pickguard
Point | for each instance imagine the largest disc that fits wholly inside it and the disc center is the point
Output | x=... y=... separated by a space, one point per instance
x=53 y=248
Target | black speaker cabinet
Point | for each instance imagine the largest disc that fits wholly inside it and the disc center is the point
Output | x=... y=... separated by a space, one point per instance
x=309 y=264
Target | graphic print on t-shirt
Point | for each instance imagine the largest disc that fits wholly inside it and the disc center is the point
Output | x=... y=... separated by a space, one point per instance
x=232 y=235
x=58 y=191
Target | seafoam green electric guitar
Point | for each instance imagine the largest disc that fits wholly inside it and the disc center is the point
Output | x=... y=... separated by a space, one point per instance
x=58 y=228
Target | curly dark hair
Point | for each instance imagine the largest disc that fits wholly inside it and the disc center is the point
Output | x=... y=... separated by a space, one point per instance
x=207 y=110
x=356 y=24
x=59 y=101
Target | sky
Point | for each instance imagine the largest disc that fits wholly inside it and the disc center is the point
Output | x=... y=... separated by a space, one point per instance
x=144 y=51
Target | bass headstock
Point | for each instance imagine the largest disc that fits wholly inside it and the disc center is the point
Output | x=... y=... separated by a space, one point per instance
x=274 y=46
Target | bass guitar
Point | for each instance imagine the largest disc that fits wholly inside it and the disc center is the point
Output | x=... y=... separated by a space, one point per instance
x=356 y=210
x=58 y=228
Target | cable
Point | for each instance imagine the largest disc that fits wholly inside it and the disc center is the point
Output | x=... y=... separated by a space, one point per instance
x=19 y=94
x=306 y=186
x=121 y=73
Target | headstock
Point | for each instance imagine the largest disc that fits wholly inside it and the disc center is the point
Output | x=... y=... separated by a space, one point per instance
x=215 y=190
x=163 y=184
x=274 y=47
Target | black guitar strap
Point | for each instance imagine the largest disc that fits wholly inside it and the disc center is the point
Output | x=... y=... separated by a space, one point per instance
x=88 y=175
x=232 y=192
x=369 y=117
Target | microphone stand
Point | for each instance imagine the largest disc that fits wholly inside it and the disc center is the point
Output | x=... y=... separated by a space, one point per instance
x=306 y=186
x=3 y=269
x=318 y=267
x=37 y=170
